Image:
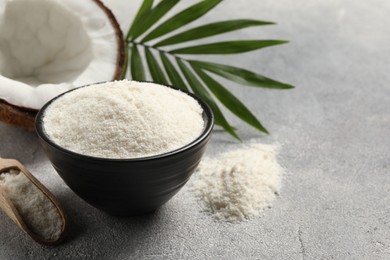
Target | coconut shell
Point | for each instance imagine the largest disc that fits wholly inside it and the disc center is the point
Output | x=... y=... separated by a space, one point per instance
x=25 y=117
x=121 y=57
x=17 y=116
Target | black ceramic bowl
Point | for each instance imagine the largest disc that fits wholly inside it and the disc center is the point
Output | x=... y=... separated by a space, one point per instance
x=126 y=187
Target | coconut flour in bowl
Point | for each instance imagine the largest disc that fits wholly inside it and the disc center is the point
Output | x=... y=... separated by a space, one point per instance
x=125 y=147
x=123 y=119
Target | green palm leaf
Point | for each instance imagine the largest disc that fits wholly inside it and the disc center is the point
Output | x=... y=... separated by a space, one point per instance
x=154 y=68
x=198 y=88
x=210 y=30
x=136 y=66
x=229 y=47
x=173 y=75
x=153 y=16
x=239 y=75
x=184 y=17
x=144 y=9
x=193 y=75
x=230 y=101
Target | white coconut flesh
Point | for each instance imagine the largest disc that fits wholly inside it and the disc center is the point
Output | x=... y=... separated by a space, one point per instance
x=50 y=46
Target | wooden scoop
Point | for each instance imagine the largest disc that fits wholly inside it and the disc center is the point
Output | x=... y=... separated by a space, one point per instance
x=8 y=207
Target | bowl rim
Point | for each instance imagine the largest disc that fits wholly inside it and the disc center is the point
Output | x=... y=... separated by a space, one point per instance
x=207 y=129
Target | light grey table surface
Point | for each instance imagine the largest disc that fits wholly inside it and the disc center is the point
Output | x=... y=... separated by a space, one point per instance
x=334 y=130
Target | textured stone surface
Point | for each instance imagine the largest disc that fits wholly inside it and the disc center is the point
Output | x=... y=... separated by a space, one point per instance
x=334 y=129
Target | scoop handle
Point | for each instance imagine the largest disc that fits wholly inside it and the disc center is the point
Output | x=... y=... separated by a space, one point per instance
x=6 y=164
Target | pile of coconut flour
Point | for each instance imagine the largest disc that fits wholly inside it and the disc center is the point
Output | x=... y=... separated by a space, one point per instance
x=124 y=119
x=239 y=183
x=36 y=210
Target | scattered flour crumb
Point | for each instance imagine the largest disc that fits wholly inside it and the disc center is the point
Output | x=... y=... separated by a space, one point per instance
x=36 y=210
x=240 y=183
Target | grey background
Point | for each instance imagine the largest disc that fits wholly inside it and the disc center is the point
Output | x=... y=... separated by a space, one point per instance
x=333 y=129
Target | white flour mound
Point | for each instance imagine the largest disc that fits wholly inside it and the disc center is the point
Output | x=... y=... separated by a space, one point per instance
x=240 y=183
x=36 y=210
x=124 y=119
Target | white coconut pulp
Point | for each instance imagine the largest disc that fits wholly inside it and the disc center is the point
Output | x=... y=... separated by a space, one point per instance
x=50 y=46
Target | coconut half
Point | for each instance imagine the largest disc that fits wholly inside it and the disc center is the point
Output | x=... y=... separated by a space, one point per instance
x=50 y=46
